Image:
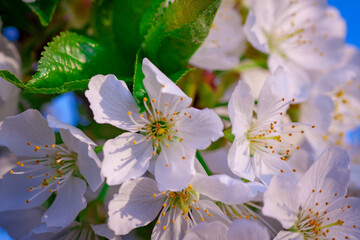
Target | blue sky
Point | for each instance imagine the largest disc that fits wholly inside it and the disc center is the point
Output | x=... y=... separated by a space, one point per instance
x=350 y=11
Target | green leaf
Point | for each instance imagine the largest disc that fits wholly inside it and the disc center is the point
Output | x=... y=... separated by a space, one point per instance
x=68 y=63
x=131 y=19
x=179 y=32
x=44 y=9
x=139 y=91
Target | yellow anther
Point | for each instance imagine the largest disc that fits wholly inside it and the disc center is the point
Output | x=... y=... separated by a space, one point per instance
x=30 y=176
x=167 y=145
x=27 y=201
x=154 y=195
x=166 y=104
x=53 y=145
x=167 y=165
x=11 y=172
x=173 y=221
x=162 y=214
x=153 y=100
x=129 y=113
x=37 y=148
x=202 y=219
x=164 y=228
x=158 y=222
x=134 y=142
x=21 y=164
x=28 y=143
x=145 y=99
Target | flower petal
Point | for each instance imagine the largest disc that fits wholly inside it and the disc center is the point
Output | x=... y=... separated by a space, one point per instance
x=175 y=224
x=124 y=160
x=174 y=167
x=163 y=90
x=213 y=230
x=255 y=34
x=88 y=162
x=212 y=214
x=110 y=101
x=330 y=174
x=246 y=229
x=281 y=200
x=19 y=223
x=239 y=159
x=225 y=43
x=27 y=127
x=222 y=188
x=241 y=106
x=286 y=235
x=14 y=190
x=199 y=127
x=134 y=206
x=68 y=203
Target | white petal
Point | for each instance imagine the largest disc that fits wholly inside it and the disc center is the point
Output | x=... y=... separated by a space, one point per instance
x=175 y=223
x=124 y=160
x=29 y=126
x=172 y=171
x=10 y=106
x=255 y=34
x=213 y=230
x=110 y=101
x=13 y=190
x=239 y=159
x=281 y=200
x=104 y=231
x=271 y=93
x=212 y=214
x=222 y=188
x=68 y=203
x=241 y=106
x=225 y=43
x=295 y=81
x=247 y=229
x=199 y=127
x=19 y=223
x=134 y=206
x=216 y=160
x=255 y=78
x=330 y=174
x=88 y=162
x=286 y=235
x=163 y=90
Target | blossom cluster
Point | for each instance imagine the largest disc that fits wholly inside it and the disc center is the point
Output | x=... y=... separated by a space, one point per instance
x=274 y=159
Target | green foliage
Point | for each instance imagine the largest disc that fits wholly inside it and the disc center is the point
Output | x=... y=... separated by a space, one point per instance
x=179 y=32
x=67 y=64
x=44 y=9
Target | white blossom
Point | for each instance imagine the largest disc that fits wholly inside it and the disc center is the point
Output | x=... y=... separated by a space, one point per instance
x=44 y=167
x=238 y=230
x=226 y=42
x=316 y=206
x=260 y=148
x=168 y=131
x=140 y=201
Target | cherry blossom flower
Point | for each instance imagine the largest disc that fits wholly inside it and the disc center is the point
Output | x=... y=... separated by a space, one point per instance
x=140 y=201
x=168 y=131
x=44 y=167
x=316 y=206
x=260 y=148
x=225 y=43
x=307 y=33
x=339 y=107
x=238 y=230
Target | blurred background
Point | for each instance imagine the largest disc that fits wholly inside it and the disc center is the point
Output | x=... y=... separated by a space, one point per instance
x=20 y=27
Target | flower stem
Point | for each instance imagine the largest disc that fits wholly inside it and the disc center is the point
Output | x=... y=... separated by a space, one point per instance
x=202 y=162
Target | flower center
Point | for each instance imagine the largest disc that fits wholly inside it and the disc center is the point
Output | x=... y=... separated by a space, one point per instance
x=183 y=199
x=54 y=168
x=312 y=224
